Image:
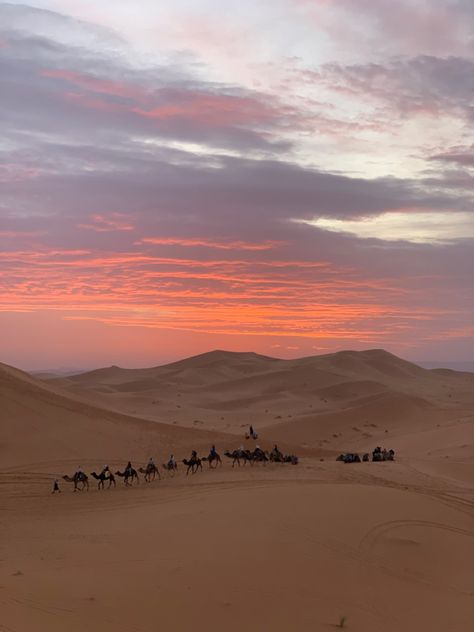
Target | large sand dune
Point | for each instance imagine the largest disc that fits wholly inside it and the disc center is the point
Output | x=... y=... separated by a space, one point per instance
x=40 y=424
x=317 y=396
x=281 y=547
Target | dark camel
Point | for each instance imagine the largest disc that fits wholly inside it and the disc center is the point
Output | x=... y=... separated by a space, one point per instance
x=259 y=455
x=151 y=472
x=239 y=455
x=211 y=458
x=349 y=457
x=193 y=465
x=290 y=458
x=276 y=456
x=79 y=477
x=102 y=477
x=129 y=476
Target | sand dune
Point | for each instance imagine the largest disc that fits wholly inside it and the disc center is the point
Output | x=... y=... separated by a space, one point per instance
x=247 y=554
x=385 y=545
x=225 y=391
x=39 y=424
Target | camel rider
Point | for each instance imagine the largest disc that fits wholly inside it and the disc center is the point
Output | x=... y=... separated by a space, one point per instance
x=194 y=455
x=172 y=462
x=276 y=452
x=80 y=474
x=258 y=451
x=151 y=463
x=213 y=452
x=105 y=472
x=128 y=469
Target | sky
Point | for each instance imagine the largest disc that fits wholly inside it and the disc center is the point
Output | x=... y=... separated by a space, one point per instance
x=291 y=177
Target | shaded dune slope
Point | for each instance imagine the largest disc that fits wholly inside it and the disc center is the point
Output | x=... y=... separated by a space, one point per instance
x=39 y=423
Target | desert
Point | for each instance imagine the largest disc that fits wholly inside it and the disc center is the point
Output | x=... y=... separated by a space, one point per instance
x=311 y=546
x=236 y=316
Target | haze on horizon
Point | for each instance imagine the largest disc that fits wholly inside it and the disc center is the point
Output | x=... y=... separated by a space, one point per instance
x=292 y=178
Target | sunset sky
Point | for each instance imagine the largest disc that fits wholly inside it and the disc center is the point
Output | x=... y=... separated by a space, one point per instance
x=291 y=177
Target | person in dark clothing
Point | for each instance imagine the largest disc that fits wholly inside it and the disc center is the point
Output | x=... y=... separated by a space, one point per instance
x=56 y=487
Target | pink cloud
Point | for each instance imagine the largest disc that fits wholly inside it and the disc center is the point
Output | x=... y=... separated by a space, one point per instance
x=14 y=172
x=209 y=243
x=97 y=85
x=108 y=223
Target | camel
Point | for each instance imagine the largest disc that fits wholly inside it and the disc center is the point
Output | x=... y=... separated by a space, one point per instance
x=259 y=455
x=131 y=473
x=239 y=455
x=150 y=471
x=171 y=467
x=276 y=456
x=79 y=477
x=235 y=456
x=102 y=477
x=211 y=458
x=349 y=458
x=192 y=465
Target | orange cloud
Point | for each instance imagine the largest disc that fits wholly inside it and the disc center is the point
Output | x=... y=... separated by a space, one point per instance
x=236 y=297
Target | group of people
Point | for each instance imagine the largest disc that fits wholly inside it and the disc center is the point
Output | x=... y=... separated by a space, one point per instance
x=382 y=454
x=378 y=454
x=171 y=464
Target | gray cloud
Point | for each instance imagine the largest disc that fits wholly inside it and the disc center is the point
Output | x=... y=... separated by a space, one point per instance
x=408 y=86
x=76 y=89
x=463 y=156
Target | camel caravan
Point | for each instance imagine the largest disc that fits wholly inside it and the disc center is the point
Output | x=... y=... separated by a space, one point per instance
x=378 y=454
x=150 y=472
x=260 y=456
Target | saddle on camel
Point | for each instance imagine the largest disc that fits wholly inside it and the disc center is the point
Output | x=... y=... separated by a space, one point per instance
x=193 y=464
x=171 y=466
x=78 y=478
x=213 y=457
x=151 y=471
x=129 y=475
x=105 y=475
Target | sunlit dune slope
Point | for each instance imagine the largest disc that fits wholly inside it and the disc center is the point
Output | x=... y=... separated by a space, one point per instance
x=226 y=391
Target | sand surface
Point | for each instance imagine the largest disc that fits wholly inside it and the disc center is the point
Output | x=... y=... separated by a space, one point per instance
x=385 y=545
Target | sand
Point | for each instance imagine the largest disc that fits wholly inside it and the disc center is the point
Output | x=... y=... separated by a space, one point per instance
x=384 y=545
